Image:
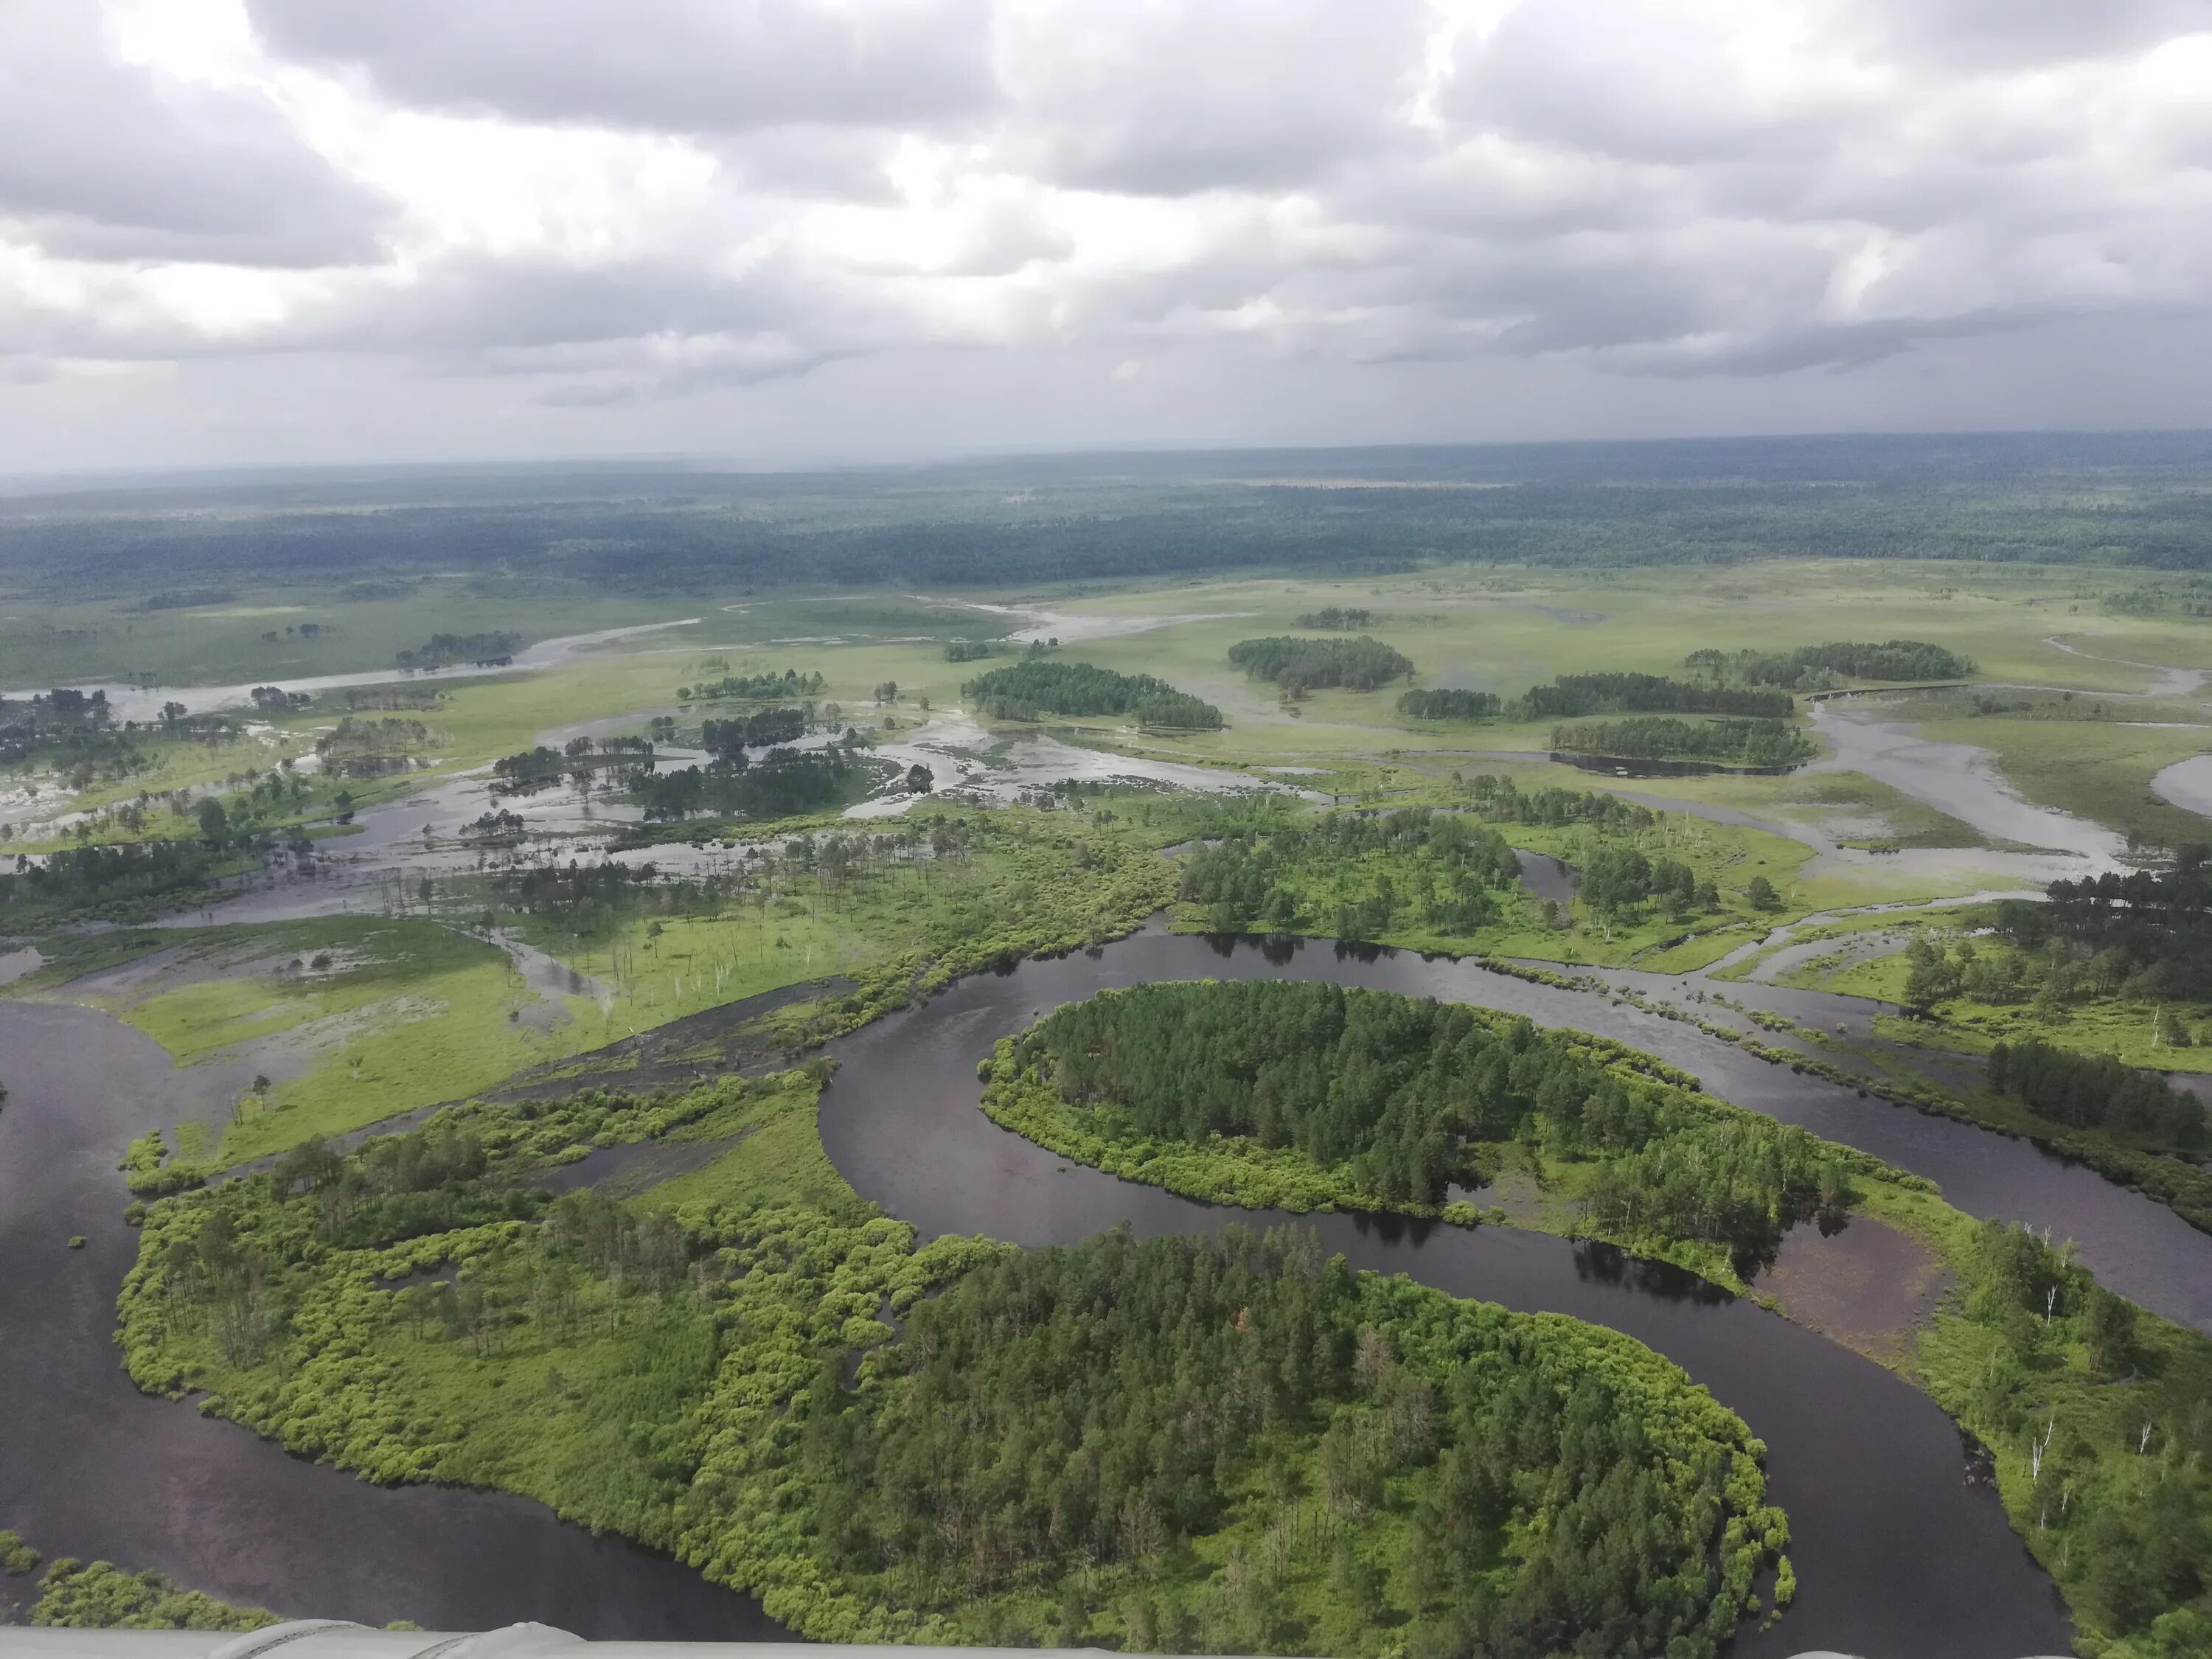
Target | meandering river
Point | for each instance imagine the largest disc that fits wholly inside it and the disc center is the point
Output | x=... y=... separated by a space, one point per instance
x=1901 y=1549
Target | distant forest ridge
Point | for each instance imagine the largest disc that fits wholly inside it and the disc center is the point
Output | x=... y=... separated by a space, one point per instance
x=2025 y=498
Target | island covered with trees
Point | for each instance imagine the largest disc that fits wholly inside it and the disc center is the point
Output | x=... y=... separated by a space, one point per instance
x=1040 y=686
x=1312 y=1097
x=1184 y=1445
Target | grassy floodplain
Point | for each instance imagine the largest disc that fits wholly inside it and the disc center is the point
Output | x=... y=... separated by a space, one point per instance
x=438 y=996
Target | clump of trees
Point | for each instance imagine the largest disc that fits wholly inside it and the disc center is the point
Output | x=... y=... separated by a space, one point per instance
x=1496 y=797
x=2146 y=935
x=783 y=783
x=728 y=738
x=1300 y=666
x=1338 y=619
x=1814 y=667
x=1571 y=696
x=1655 y=737
x=1249 y=877
x=1096 y=1405
x=2089 y=1091
x=486 y=650
x=1399 y=1095
x=1425 y=704
x=1037 y=686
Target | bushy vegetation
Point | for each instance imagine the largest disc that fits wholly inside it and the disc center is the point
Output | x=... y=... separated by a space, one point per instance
x=1389 y=1100
x=1178 y=1445
x=100 y=1596
x=1424 y=704
x=1440 y=875
x=1037 y=686
x=1655 y=737
x=1571 y=695
x=1248 y=878
x=2101 y=1419
x=1300 y=666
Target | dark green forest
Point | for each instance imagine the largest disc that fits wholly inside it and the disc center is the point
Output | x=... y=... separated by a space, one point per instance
x=1572 y=695
x=782 y=783
x=1038 y=686
x=1403 y=1094
x=2131 y=499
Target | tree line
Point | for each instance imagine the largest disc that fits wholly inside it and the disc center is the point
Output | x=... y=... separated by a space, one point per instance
x=1652 y=737
x=761 y=687
x=1423 y=703
x=2089 y=1091
x=1571 y=696
x=484 y=649
x=1814 y=667
x=2148 y=933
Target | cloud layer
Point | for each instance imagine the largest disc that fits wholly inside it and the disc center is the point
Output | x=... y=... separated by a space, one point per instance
x=599 y=205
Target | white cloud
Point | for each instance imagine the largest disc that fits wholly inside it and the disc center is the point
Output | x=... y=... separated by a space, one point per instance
x=608 y=205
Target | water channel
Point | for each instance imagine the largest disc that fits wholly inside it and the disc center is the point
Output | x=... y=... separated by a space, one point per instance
x=1901 y=1550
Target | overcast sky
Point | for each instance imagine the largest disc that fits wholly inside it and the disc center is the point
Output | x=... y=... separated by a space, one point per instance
x=780 y=231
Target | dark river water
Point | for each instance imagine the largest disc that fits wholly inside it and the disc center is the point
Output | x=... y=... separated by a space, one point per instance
x=1902 y=1553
